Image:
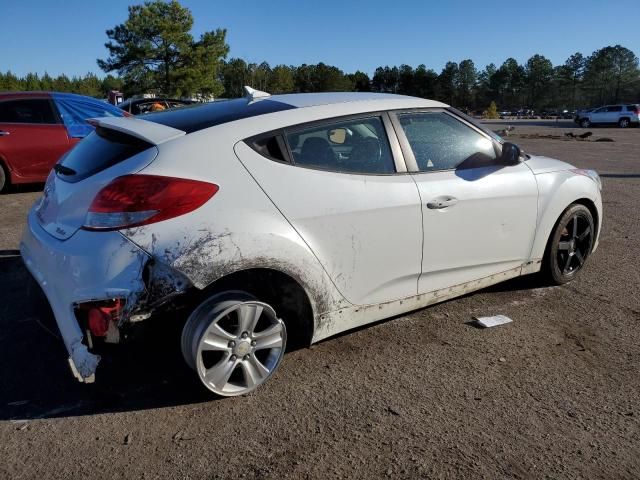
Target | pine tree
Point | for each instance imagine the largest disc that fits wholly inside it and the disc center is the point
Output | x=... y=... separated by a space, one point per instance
x=154 y=50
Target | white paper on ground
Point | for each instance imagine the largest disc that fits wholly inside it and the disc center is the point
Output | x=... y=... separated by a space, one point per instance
x=493 y=321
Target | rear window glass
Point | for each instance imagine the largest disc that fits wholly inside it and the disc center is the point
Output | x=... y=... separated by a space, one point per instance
x=35 y=110
x=196 y=117
x=96 y=152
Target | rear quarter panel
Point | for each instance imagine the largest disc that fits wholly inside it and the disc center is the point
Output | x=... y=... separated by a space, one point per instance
x=239 y=228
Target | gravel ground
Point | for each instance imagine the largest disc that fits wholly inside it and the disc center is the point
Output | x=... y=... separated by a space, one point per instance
x=553 y=394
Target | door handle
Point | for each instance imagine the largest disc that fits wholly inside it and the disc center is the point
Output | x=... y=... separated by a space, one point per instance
x=4 y=134
x=442 y=202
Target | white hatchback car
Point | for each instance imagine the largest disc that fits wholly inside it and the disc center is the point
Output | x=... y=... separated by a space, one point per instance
x=291 y=218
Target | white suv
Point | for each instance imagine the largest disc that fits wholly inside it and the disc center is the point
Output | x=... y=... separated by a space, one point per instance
x=622 y=115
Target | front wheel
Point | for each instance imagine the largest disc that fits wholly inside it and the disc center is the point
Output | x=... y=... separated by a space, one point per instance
x=570 y=245
x=234 y=343
x=585 y=123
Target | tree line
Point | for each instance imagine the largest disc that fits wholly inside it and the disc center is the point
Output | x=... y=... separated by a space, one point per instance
x=608 y=75
x=89 y=84
x=153 y=51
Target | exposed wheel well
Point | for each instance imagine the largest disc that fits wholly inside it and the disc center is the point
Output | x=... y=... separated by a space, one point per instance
x=282 y=292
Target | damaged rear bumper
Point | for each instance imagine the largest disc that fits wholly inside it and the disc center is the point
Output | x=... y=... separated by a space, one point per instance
x=86 y=267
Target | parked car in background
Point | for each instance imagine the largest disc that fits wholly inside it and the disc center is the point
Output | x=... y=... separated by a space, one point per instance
x=139 y=106
x=622 y=115
x=275 y=220
x=37 y=128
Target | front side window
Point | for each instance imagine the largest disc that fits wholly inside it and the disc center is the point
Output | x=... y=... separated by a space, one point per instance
x=614 y=108
x=441 y=142
x=32 y=110
x=350 y=146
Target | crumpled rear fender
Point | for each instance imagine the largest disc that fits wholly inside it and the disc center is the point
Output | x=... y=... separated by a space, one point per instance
x=239 y=228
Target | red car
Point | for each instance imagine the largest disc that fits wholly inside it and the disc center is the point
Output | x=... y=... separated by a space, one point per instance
x=37 y=128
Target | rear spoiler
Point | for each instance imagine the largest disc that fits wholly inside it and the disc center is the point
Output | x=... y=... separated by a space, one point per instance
x=150 y=132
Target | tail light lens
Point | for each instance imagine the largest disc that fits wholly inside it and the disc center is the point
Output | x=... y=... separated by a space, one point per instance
x=134 y=200
x=101 y=314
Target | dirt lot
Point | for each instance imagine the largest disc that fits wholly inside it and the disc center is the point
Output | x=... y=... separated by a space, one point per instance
x=552 y=395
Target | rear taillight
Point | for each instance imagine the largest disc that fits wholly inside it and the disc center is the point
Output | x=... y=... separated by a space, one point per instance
x=101 y=315
x=134 y=200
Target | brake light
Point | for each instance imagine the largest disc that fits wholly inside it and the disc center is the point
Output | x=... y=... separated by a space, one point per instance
x=101 y=314
x=134 y=200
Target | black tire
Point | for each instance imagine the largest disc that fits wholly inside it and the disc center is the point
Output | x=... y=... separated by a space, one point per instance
x=4 y=179
x=624 y=123
x=569 y=245
x=585 y=123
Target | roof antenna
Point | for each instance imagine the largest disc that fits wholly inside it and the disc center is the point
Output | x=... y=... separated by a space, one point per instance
x=253 y=94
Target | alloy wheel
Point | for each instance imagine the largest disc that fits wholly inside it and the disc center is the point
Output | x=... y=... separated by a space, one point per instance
x=574 y=244
x=234 y=345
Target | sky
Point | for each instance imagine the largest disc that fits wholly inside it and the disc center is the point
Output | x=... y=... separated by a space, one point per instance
x=67 y=36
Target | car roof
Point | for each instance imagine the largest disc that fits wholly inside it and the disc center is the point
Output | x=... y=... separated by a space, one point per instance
x=200 y=116
x=32 y=94
x=300 y=100
x=47 y=94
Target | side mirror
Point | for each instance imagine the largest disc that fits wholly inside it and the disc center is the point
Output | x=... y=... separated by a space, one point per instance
x=510 y=153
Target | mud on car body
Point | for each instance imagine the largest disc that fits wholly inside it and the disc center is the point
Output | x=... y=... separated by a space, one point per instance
x=275 y=220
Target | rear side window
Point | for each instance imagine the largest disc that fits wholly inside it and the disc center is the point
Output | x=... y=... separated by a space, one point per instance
x=351 y=146
x=98 y=151
x=614 y=108
x=270 y=146
x=31 y=110
x=441 y=142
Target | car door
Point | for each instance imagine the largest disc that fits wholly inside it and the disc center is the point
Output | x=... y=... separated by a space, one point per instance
x=348 y=197
x=32 y=138
x=479 y=215
x=613 y=113
x=599 y=115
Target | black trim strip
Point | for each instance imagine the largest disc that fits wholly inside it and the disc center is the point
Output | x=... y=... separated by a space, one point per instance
x=197 y=117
